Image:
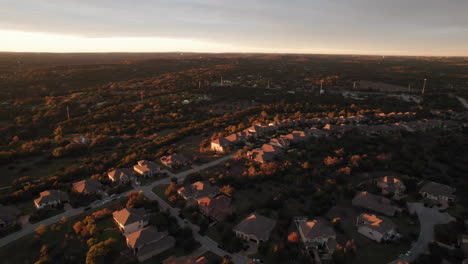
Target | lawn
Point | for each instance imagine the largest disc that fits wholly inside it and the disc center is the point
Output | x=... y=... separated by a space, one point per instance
x=369 y=251
x=159 y=191
x=14 y=253
x=35 y=167
x=47 y=213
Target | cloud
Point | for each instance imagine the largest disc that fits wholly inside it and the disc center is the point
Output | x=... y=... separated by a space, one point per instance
x=299 y=24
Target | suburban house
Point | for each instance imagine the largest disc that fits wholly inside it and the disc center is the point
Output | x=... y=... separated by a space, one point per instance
x=130 y=220
x=296 y=136
x=174 y=161
x=198 y=190
x=148 y=242
x=216 y=208
x=220 y=145
x=272 y=149
x=89 y=186
x=438 y=192
x=390 y=184
x=51 y=198
x=121 y=176
x=255 y=228
x=8 y=216
x=259 y=155
x=317 y=234
x=146 y=168
x=257 y=130
x=378 y=228
x=280 y=142
x=375 y=203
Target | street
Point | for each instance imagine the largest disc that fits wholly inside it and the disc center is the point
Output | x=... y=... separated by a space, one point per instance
x=428 y=218
x=28 y=229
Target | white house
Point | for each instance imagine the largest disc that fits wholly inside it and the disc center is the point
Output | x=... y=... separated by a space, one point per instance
x=438 y=192
x=146 y=168
x=376 y=228
x=121 y=176
x=130 y=220
x=317 y=233
x=255 y=228
x=51 y=198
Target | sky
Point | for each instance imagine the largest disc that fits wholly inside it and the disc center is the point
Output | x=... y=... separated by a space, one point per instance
x=383 y=27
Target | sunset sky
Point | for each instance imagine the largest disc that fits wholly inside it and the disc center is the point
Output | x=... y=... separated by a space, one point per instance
x=386 y=27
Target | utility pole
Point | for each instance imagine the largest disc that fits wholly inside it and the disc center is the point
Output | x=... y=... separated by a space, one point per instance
x=321 y=87
x=68 y=112
x=268 y=85
x=221 y=80
x=199 y=84
x=424 y=86
x=354 y=85
x=409 y=88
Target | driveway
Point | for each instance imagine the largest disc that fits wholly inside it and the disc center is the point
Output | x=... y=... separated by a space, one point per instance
x=205 y=241
x=28 y=229
x=428 y=218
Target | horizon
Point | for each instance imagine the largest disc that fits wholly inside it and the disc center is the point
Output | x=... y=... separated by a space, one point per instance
x=358 y=27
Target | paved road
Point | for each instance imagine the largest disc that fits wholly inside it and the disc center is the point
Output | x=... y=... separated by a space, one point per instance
x=205 y=241
x=462 y=101
x=428 y=218
x=28 y=229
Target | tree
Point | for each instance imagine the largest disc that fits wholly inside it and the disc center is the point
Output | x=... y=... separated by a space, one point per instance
x=44 y=257
x=101 y=253
x=227 y=190
x=135 y=200
x=293 y=237
x=227 y=261
x=171 y=189
x=58 y=133
x=41 y=229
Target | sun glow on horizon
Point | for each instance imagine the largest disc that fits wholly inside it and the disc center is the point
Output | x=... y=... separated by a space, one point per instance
x=21 y=41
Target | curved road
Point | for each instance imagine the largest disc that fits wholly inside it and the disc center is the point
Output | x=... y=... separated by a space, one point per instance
x=428 y=219
x=28 y=229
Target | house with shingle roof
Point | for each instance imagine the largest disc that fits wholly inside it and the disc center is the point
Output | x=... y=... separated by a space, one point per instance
x=280 y=142
x=146 y=168
x=220 y=145
x=375 y=203
x=270 y=148
x=148 y=242
x=438 y=192
x=216 y=208
x=89 y=186
x=120 y=176
x=130 y=220
x=255 y=228
x=390 y=184
x=8 y=215
x=317 y=233
x=51 y=198
x=378 y=228
x=198 y=190
x=174 y=161
x=261 y=156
